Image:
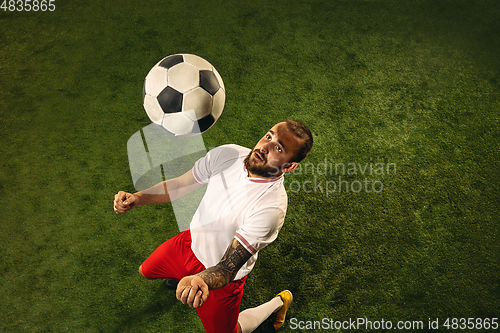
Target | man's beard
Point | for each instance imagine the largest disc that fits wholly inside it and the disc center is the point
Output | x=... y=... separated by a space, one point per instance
x=263 y=170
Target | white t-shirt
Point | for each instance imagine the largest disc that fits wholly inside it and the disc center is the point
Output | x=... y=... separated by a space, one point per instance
x=252 y=210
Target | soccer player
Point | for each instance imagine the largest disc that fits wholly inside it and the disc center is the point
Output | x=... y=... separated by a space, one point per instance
x=242 y=211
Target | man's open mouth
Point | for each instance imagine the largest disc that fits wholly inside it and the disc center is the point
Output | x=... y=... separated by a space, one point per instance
x=258 y=157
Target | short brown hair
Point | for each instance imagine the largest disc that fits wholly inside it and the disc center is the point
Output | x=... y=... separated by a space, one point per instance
x=301 y=131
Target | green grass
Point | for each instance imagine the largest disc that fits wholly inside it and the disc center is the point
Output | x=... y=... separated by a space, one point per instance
x=414 y=83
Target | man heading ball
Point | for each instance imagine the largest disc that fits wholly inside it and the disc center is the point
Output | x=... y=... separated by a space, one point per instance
x=242 y=212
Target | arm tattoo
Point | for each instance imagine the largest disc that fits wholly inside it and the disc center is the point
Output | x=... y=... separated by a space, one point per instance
x=224 y=272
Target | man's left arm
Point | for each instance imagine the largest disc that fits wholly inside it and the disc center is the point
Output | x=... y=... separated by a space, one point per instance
x=194 y=289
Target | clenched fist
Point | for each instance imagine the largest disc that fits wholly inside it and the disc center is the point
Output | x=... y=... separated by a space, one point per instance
x=124 y=202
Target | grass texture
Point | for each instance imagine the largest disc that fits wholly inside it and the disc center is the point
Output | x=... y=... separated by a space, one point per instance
x=409 y=85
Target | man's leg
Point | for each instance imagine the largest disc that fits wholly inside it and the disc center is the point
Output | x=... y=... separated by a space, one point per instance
x=172 y=260
x=141 y=273
x=220 y=312
x=250 y=319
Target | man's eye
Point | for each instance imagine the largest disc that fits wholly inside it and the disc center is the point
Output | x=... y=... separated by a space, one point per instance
x=279 y=149
x=268 y=137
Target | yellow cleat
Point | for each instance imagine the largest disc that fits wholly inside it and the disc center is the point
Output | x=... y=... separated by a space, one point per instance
x=279 y=317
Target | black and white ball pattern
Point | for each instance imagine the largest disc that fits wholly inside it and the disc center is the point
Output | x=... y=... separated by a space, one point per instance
x=184 y=93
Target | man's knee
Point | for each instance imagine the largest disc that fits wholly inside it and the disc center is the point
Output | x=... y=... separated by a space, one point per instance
x=141 y=273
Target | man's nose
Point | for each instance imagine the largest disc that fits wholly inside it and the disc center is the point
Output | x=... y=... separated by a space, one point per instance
x=266 y=147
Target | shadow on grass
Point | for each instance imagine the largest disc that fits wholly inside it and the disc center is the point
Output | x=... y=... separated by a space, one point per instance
x=162 y=309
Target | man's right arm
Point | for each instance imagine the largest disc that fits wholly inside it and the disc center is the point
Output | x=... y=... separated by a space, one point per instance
x=163 y=192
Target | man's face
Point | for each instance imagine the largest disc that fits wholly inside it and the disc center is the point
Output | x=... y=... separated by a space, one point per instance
x=271 y=155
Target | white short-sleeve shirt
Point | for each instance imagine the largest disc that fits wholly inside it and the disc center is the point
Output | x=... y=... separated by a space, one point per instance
x=252 y=210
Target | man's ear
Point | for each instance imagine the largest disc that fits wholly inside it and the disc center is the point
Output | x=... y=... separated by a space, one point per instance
x=289 y=167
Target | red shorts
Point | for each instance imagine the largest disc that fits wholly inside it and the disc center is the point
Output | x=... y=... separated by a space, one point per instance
x=174 y=259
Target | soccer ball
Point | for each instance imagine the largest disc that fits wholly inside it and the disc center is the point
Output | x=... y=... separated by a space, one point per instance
x=184 y=93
